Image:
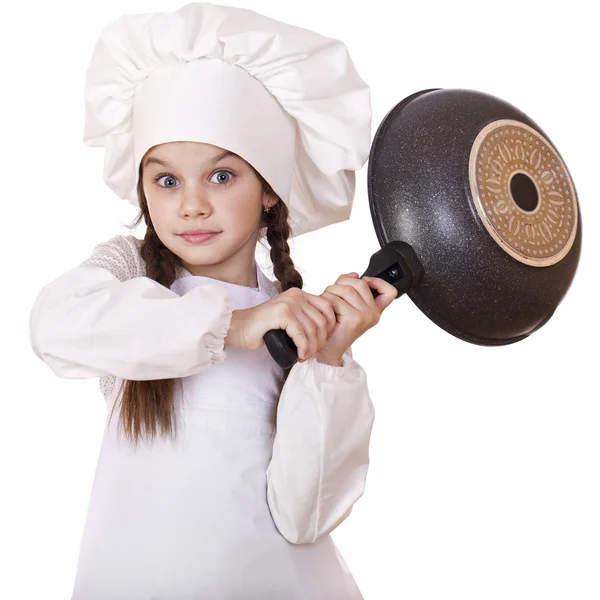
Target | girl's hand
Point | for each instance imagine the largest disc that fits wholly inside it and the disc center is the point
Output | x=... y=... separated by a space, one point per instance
x=356 y=311
x=306 y=318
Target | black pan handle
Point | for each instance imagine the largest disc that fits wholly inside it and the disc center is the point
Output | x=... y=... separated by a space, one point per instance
x=395 y=263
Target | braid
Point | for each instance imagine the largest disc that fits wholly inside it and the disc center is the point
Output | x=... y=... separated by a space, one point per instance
x=276 y=221
x=278 y=231
x=161 y=263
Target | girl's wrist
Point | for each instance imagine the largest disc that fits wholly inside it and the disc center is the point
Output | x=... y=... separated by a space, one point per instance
x=334 y=361
x=232 y=338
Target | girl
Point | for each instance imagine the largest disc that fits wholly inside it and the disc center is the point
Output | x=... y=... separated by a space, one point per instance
x=221 y=477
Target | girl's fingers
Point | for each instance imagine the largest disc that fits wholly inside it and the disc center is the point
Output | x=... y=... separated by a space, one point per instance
x=363 y=289
x=387 y=292
x=360 y=285
x=296 y=331
x=310 y=340
x=319 y=322
x=340 y=305
x=316 y=316
x=326 y=309
x=311 y=321
x=351 y=295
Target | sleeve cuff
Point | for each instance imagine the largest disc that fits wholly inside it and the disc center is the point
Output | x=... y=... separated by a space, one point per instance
x=215 y=343
x=331 y=372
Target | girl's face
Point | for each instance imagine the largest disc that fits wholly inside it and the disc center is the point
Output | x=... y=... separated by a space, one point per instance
x=199 y=188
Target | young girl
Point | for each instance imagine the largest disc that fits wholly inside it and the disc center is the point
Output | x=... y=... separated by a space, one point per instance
x=221 y=476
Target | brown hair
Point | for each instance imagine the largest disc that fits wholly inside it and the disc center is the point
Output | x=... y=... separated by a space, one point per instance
x=147 y=406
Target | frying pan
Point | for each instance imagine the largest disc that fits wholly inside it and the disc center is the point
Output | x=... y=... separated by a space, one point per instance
x=476 y=214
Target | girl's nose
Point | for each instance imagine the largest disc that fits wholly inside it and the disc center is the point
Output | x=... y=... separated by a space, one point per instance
x=195 y=203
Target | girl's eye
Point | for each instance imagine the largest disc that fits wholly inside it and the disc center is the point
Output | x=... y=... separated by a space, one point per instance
x=160 y=177
x=219 y=174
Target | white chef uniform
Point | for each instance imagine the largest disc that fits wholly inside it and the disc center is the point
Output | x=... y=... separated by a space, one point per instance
x=230 y=510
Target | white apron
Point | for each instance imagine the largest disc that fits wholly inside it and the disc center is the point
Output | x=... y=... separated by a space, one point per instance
x=189 y=520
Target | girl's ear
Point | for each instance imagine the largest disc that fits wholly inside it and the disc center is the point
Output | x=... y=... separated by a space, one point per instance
x=270 y=196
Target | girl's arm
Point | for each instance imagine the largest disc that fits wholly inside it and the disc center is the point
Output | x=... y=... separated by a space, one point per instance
x=321 y=450
x=104 y=317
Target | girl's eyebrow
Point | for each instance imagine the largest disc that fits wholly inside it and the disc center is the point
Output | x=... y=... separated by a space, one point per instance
x=212 y=161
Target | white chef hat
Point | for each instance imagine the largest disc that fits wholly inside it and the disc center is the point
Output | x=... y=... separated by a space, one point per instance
x=287 y=100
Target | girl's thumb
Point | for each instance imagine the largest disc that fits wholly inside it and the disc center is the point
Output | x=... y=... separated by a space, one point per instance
x=387 y=292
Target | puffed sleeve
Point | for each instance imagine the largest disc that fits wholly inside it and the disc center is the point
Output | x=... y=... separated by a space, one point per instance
x=104 y=318
x=320 y=455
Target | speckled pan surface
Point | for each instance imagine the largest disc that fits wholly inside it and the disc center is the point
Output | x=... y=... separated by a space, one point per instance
x=477 y=285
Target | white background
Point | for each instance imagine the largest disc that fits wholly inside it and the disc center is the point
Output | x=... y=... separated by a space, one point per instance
x=484 y=477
